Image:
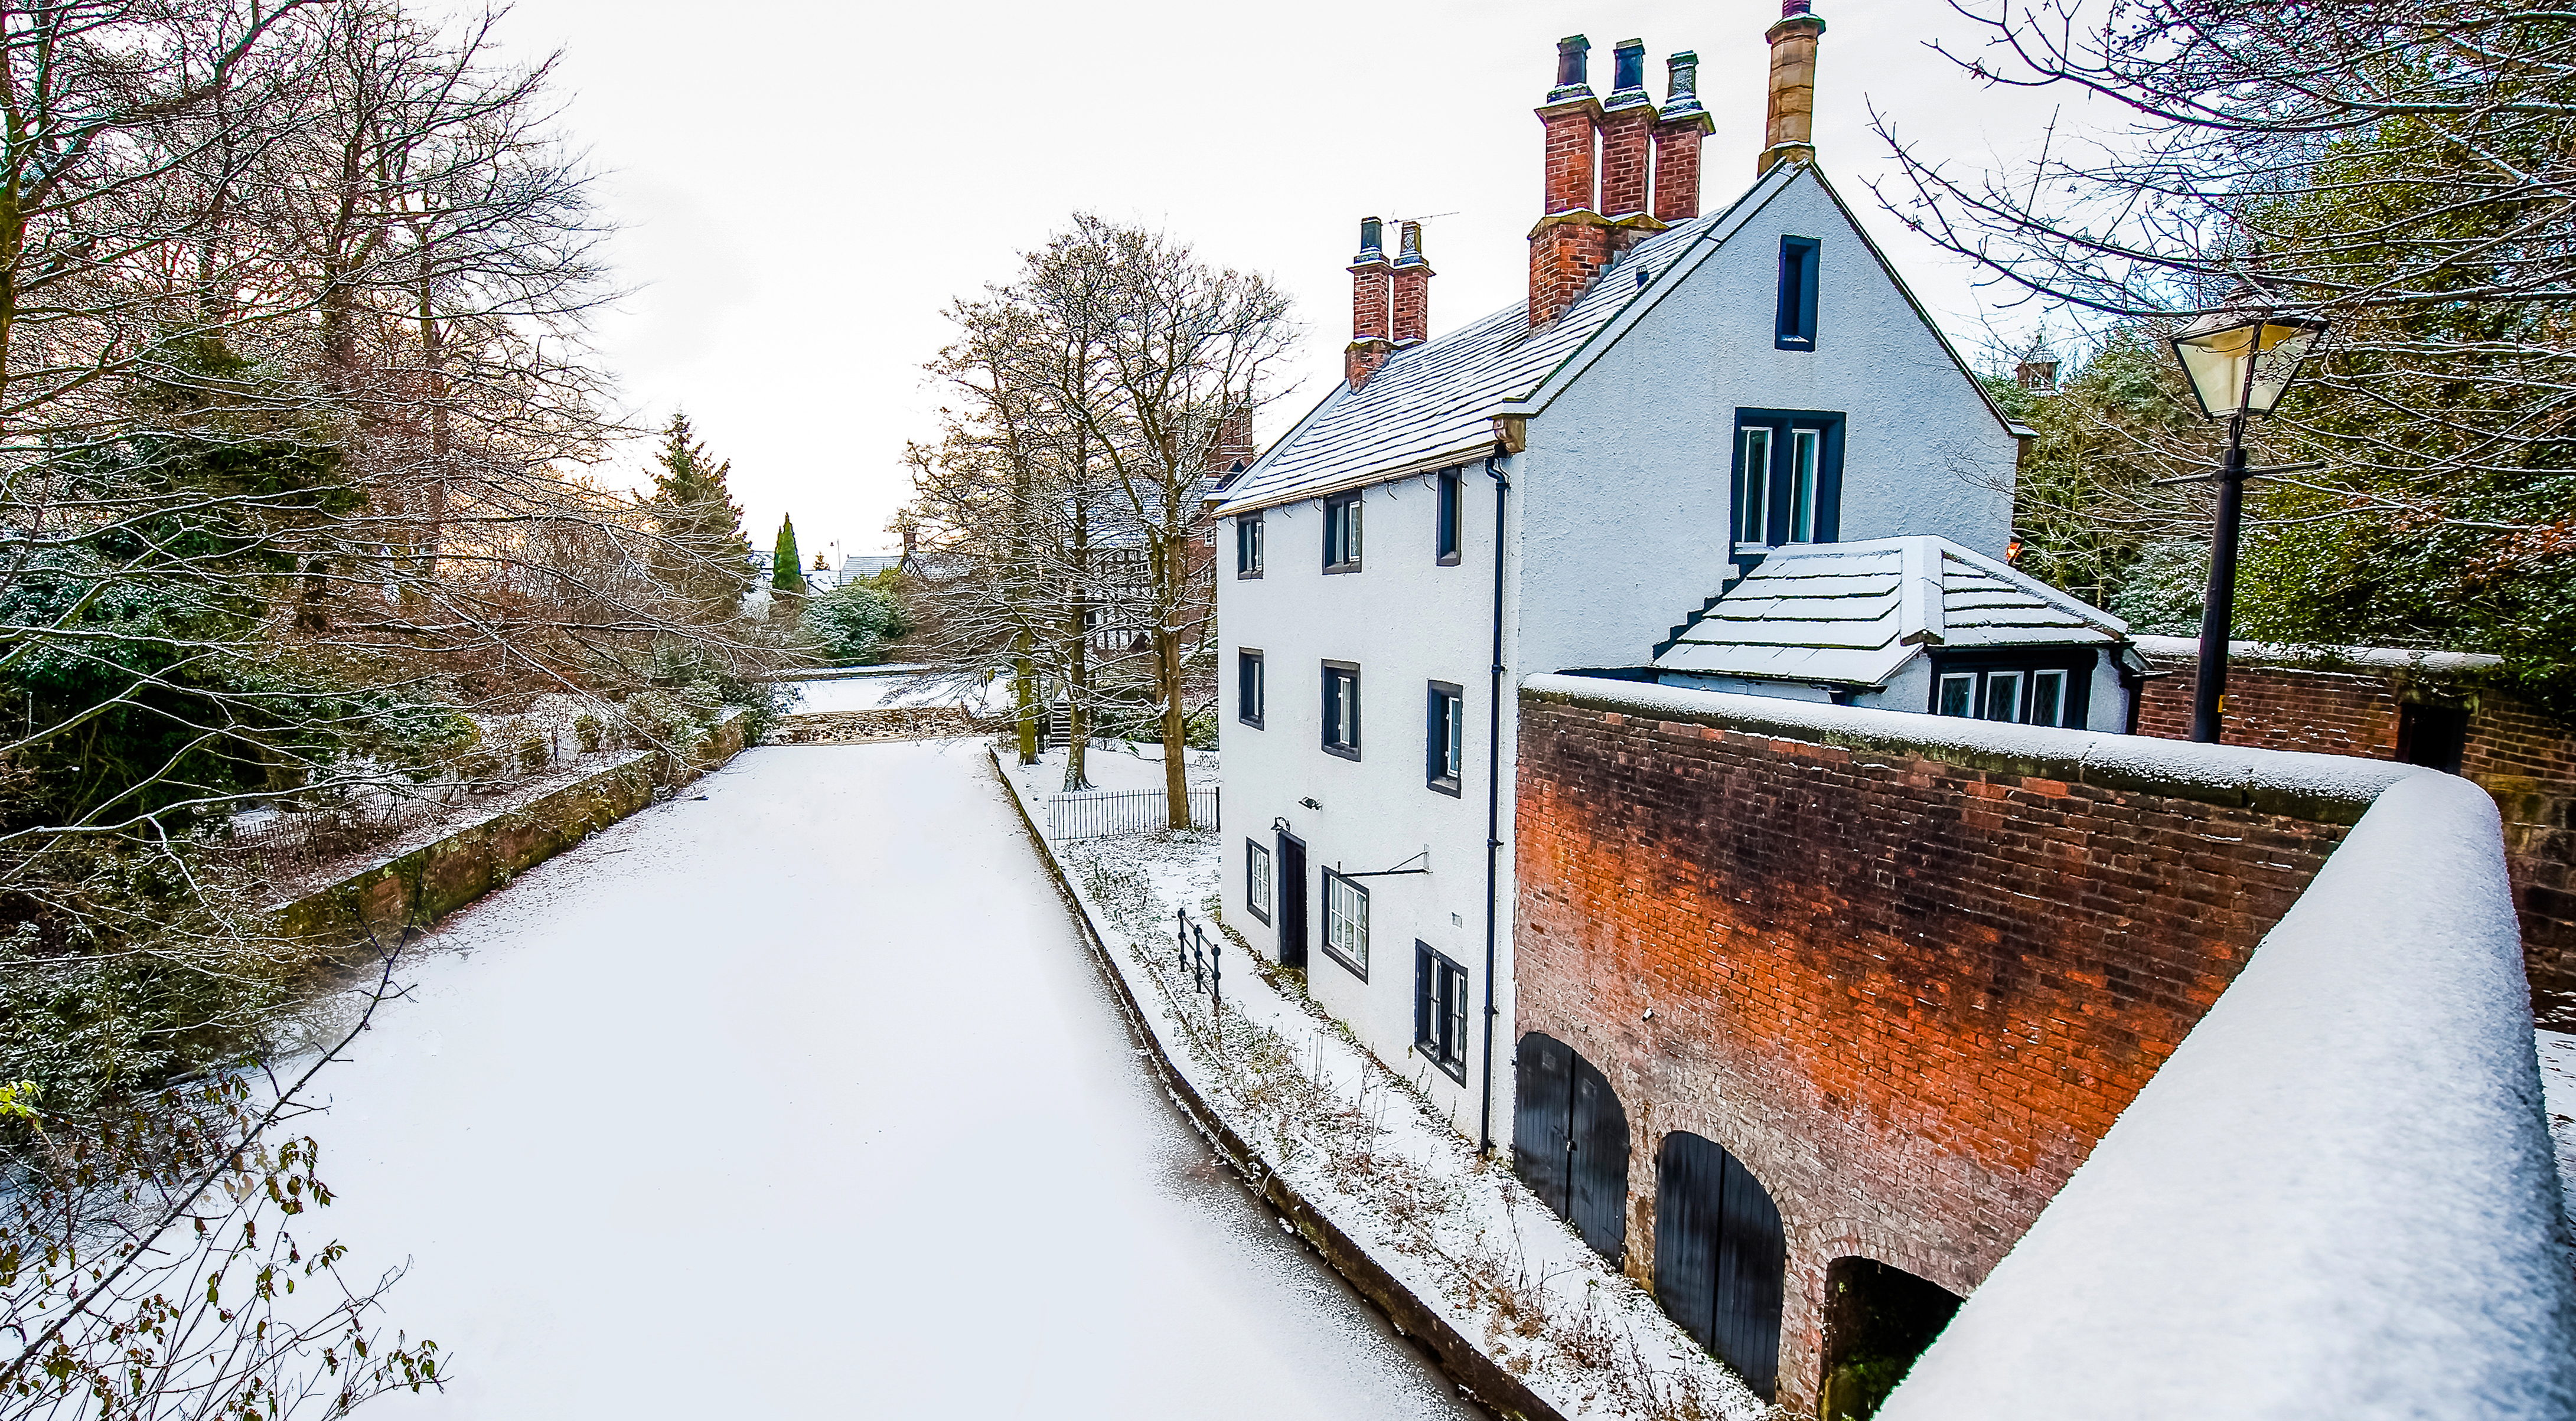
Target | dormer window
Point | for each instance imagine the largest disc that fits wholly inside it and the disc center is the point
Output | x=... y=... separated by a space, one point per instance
x=1799 y=258
x=1342 y=533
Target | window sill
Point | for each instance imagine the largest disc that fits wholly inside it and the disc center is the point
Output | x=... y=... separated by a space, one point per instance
x=1347 y=752
x=1803 y=347
x=1259 y=915
x=1454 y=1070
x=1251 y=720
x=1356 y=969
x=1335 y=569
x=1252 y=576
x=1448 y=787
x=1451 y=560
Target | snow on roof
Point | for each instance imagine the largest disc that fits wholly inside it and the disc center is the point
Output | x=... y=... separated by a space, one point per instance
x=2325 y=658
x=1434 y=404
x=1853 y=613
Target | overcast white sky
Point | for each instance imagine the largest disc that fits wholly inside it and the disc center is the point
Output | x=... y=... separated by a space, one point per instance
x=803 y=186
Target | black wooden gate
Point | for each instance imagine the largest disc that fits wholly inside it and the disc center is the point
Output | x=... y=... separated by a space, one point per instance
x=1570 y=1141
x=1720 y=1257
x=1292 y=902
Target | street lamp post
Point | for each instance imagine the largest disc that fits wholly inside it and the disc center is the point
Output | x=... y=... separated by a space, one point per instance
x=2239 y=363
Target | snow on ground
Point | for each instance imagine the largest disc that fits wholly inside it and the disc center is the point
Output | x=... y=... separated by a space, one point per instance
x=2558 y=1084
x=1372 y=1154
x=1114 y=764
x=800 y=1097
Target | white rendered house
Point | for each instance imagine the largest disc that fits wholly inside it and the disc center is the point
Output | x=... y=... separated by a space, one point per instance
x=1685 y=404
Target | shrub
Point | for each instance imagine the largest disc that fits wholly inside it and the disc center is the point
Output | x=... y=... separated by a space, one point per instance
x=853 y=623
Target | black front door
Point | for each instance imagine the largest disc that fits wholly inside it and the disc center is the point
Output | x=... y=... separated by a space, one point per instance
x=1570 y=1141
x=1721 y=1257
x=1292 y=902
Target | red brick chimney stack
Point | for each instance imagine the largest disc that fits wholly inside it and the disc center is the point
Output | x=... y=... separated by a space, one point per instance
x=1370 y=295
x=1678 y=130
x=1789 y=131
x=1572 y=240
x=1412 y=290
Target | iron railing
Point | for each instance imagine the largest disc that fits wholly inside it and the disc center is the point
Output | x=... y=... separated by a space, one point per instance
x=1101 y=814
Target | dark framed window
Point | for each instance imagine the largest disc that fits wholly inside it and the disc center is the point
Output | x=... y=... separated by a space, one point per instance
x=1342 y=533
x=1445 y=737
x=1440 y=1010
x=1788 y=477
x=1799 y=258
x=1450 y=539
x=2021 y=689
x=1256 y=880
x=1342 y=709
x=1251 y=687
x=1346 y=926
x=1247 y=545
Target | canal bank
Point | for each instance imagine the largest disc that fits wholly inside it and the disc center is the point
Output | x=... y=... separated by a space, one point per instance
x=1450 y=1246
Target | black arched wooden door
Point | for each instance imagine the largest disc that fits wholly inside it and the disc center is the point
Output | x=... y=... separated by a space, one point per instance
x=1721 y=1258
x=1570 y=1141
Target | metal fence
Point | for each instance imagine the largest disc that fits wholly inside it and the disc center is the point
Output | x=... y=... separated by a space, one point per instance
x=1099 y=814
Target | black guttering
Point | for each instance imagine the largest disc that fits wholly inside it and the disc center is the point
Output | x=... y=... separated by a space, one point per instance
x=1493 y=808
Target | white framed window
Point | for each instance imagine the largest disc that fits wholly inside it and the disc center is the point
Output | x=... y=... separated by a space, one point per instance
x=1805 y=450
x=1342 y=533
x=1342 y=709
x=1440 y=1010
x=1958 y=694
x=2047 y=698
x=1346 y=925
x=2003 y=696
x=1752 y=483
x=1251 y=687
x=1445 y=737
x=1256 y=879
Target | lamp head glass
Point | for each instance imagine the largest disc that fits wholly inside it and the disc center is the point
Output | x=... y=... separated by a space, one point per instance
x=2243 y=361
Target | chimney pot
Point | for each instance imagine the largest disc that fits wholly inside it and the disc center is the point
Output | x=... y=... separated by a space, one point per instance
x=1789 y=129
x=1627 y=74
x=1573 y=70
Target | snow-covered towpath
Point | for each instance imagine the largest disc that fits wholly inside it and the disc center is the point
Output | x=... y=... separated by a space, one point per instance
x=804 y=1101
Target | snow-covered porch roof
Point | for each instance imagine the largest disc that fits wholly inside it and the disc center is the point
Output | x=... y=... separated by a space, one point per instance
x=1854 y=614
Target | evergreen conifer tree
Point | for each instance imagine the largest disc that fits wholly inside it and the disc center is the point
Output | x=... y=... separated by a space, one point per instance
x=704 y=556
x=786 y=574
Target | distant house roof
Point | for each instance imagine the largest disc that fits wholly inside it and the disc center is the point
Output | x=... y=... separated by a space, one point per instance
x=1433 y=405
x=854 y=568
x=1854 y=613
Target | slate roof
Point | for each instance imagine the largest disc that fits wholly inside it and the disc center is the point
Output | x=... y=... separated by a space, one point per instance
x=1433 y=404
x=1854 y=613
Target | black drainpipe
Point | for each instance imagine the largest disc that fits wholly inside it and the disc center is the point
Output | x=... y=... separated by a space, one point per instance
x=1493 y=805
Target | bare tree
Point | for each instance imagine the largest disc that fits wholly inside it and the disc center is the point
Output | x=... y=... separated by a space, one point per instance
x=2403 y=169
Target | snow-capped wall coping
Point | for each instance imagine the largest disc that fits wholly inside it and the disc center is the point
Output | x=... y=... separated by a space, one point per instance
x=2323 y=658
x=2337 y=1199
x=2328 y=788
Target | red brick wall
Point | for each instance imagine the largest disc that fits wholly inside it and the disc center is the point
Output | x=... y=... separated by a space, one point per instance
x=2523 y=758
x=1909 y=994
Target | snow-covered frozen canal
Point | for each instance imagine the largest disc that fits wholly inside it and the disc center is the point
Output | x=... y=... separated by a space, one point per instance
x=802 y=1101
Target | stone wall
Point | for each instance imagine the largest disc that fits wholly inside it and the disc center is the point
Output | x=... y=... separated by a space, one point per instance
x=2350 y=704
x=1907 y=983
x=420 y=886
